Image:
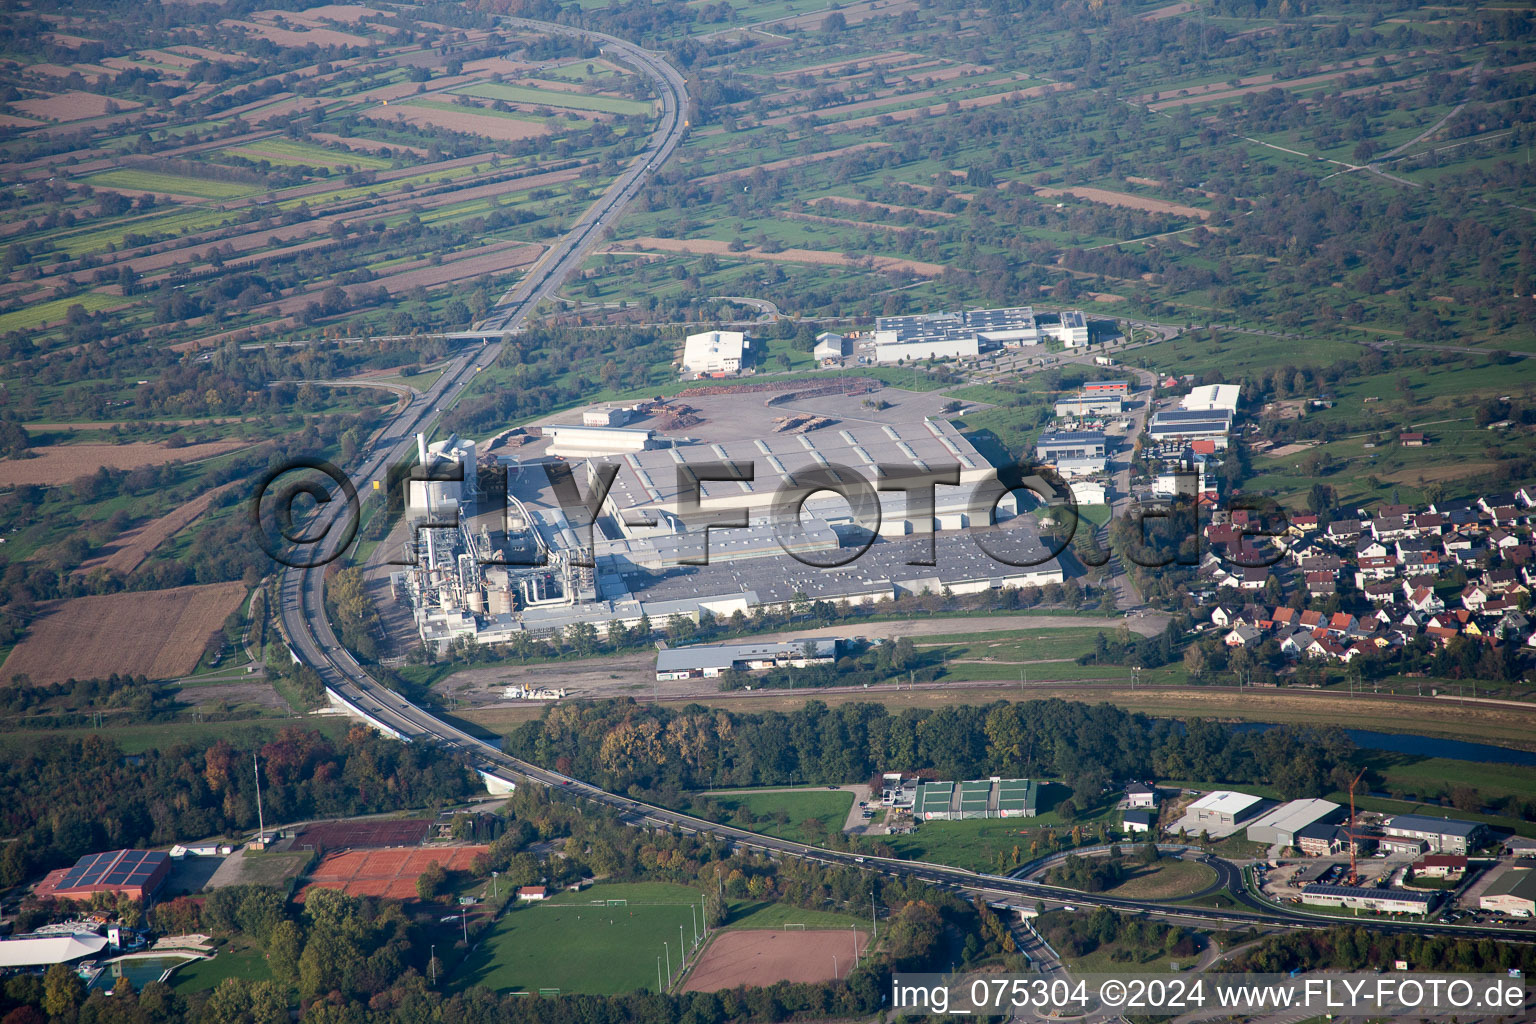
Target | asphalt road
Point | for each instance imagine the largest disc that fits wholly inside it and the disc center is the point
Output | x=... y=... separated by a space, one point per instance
x=567 y=255
x=312 y=639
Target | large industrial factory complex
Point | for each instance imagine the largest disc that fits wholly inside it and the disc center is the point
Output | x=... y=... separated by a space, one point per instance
x=696 y=528
x=967 y=334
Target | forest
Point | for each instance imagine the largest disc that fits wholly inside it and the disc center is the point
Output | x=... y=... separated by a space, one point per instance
x=351 y=959
x=66 y=797
x=662 y=753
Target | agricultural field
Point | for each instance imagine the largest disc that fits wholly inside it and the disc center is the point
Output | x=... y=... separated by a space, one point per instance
x=159 y=634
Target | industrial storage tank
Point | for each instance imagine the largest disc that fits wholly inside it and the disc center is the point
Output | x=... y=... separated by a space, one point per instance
x=500 y=601
x=476 y=599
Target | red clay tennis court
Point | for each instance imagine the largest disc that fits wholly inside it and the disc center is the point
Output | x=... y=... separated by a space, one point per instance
x=386 y=873
x=365 y=835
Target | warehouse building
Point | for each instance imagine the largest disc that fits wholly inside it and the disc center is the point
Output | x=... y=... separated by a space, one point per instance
x=1185 y=425
x=715 y=352
x=1440 y=835
x=1280 y=824
x=1212 y=398
x=1097 y=388
x=1084 y=404
x=579 y=441
x=933 y=801
x=1223 y=809
x=1016 y=798
x=135 y=872
x=1056 y=445
x=831 y=347
x=1361 y=897
x=707 y=661
x=1512 y=893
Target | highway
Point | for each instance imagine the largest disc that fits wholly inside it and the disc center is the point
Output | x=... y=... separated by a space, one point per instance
x=558 y=263
x=309 y=632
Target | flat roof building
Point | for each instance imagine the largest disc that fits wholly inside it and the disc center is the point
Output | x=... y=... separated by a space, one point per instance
x=710 y=660
x=1072 y=330
x=1280 y=824
x=579 y=440
x=1191 y=425
x=1212 y=398
x=1086 y=404
x=1070 y=444
x=1361 y=897
x=1224 y=808
x=1440 y=835
x=1107 y=387
x=715 y=352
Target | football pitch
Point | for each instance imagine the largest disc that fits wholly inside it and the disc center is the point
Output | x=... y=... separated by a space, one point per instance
x=580 y=942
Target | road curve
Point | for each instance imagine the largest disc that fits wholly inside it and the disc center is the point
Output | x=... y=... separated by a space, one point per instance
x=308 y=629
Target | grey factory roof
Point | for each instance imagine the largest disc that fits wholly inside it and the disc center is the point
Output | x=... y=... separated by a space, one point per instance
x=1361 y=892
x=1434 y=826
x=882 y=568
x=722 y=656
x=1072 y=437
x=651 y=478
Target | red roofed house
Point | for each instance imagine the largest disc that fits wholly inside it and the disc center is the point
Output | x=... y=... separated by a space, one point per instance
x=533 y=892
x=1440 y=865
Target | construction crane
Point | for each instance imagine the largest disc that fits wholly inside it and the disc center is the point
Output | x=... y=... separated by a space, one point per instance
x=1354 y=874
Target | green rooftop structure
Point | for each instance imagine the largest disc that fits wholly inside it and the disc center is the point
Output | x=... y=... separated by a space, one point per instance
x=933 y=800
x=975 y=799
x=1016 y=798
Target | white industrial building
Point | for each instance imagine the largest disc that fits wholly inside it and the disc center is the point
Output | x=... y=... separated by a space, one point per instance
x=1188 y=425
x=580 y=441
x=1223 y=809
x=1279 y=825
x=1212 y=398
x=438 y=499
x=715 y=352
x=1083 y=405
x=709 y=661
x=831 y=347
x=1072 y=331
x=32 y=951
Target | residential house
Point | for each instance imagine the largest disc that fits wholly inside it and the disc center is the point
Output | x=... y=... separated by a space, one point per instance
x=1243 y=636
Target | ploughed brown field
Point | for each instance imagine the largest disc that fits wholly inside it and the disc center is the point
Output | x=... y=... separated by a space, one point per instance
x=59 y=464
x=763 y=956
x=157 y=633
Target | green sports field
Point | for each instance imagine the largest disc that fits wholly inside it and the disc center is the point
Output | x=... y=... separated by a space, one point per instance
x=575 y=942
